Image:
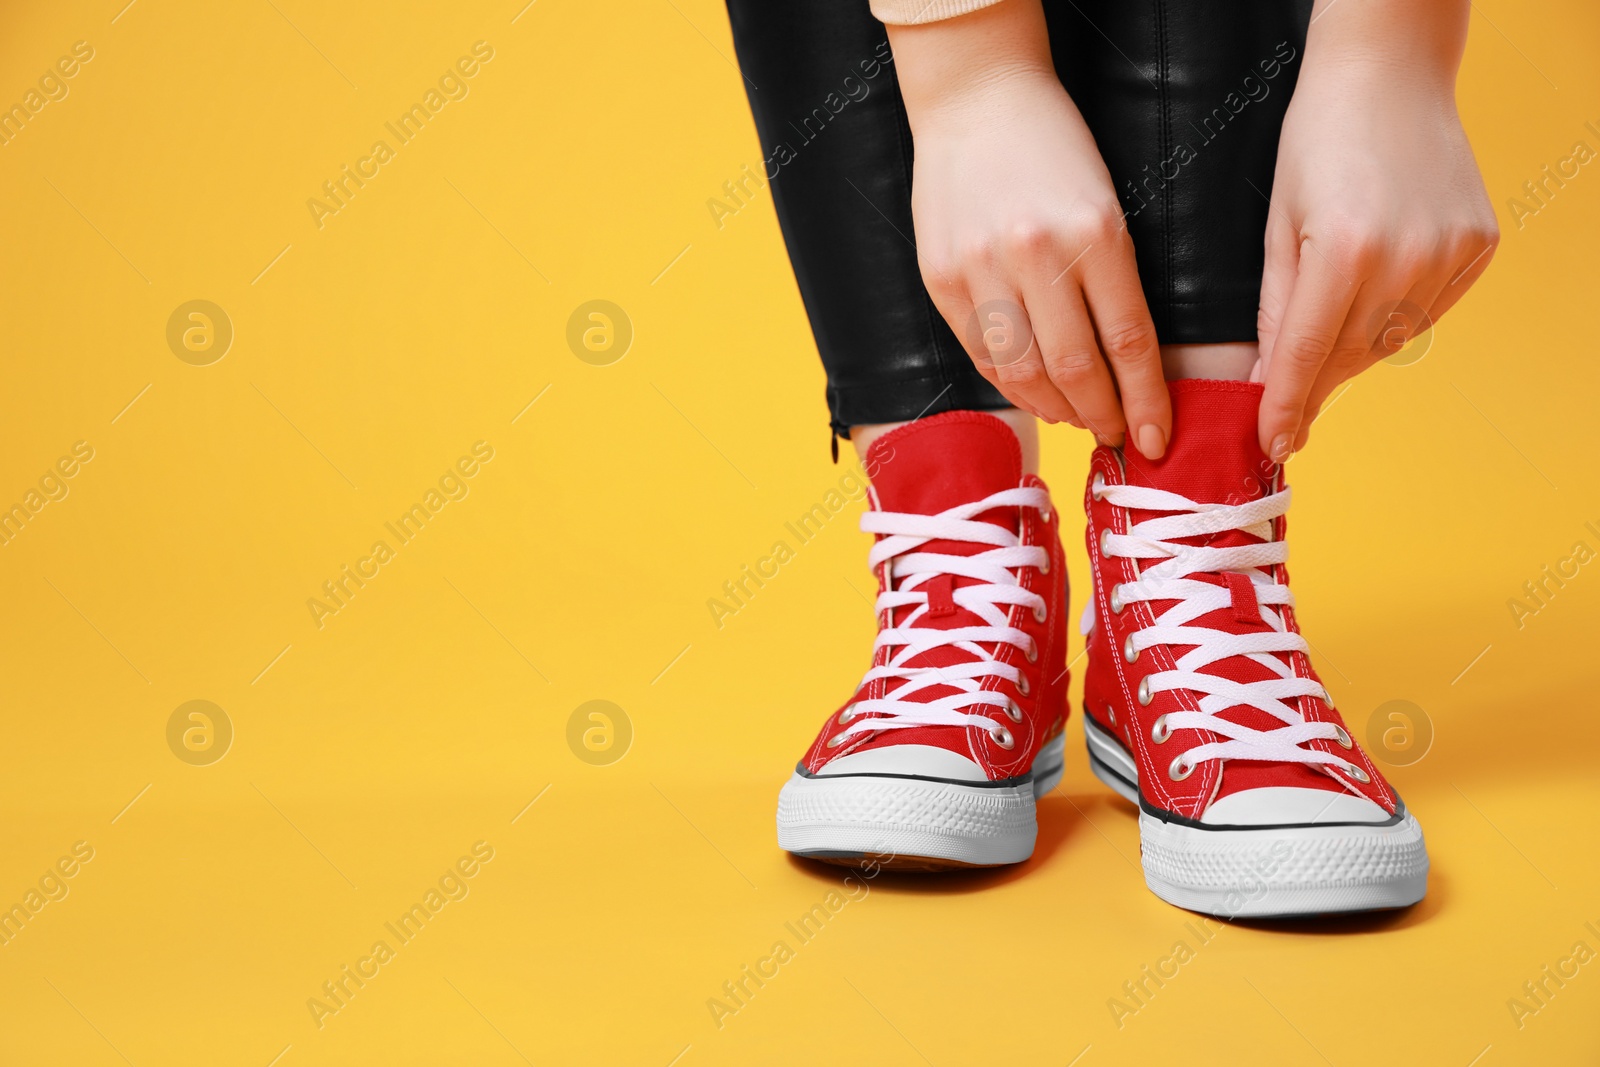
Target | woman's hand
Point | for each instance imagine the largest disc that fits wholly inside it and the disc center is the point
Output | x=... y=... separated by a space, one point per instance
x=1019 y=233
x=1379 y=220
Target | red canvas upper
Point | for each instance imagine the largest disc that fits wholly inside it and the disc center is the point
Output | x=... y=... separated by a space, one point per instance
x=1214 y=457
x=927 y=467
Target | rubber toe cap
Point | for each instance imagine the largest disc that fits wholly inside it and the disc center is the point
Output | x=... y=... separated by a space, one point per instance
x=1273 y=805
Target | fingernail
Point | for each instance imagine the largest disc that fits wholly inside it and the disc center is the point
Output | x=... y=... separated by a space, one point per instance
x=1282 y=448
x=1152 y=442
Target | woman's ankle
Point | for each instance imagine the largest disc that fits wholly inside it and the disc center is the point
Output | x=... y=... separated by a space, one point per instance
x=1024 y=425
x=1234 y=361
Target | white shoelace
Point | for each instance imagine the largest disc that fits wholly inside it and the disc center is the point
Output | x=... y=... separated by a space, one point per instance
x=1168 y=580
x=996 y=589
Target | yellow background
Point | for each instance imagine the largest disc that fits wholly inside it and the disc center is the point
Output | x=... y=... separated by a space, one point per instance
x=426 y=715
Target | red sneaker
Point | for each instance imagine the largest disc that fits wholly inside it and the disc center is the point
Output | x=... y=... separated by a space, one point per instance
x=1201 y=704
x=936 y=760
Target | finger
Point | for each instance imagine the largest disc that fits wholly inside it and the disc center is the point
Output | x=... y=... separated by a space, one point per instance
x=1002 y=332
x=1072 y=359
x=1464 y=277
x=1128 y=341
x=1408 y=318
x=1020 y=406
x=1392 y=323
x=1379 y=322
x=1281 y=265
x=998 y=338
x=1070 y=417
x=1312 y=321
x=1392 y=309
x=953 y=299
x=1027 y=378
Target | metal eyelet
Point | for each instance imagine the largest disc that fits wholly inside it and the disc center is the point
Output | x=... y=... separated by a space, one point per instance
x=1044 y=568
x=1040 y=613
x=1159 y=731
x=1002 y=737
x=1130 y=653
x=1097 y=487
x=1013 y=711
x=1358 y=774
x=1044 y=515
x=1033 y=652
x=1179 y=770
x=1023 y=686
x=1343 y=738
x=835 y=741
x=1145 y=695
x=1111 y=713
x=1116 y=600
x=1105 y=541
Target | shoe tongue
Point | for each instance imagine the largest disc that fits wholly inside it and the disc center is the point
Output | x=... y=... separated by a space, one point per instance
x=1215 y=456
x=941 y=462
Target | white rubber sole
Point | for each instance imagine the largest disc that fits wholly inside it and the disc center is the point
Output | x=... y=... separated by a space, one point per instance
x=915 y=823
x=1270 y=872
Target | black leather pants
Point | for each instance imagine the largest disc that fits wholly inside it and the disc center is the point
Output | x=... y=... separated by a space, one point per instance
x=1185 y=100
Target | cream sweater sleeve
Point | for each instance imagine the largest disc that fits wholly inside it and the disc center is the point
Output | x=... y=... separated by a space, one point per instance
x=916 y=12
